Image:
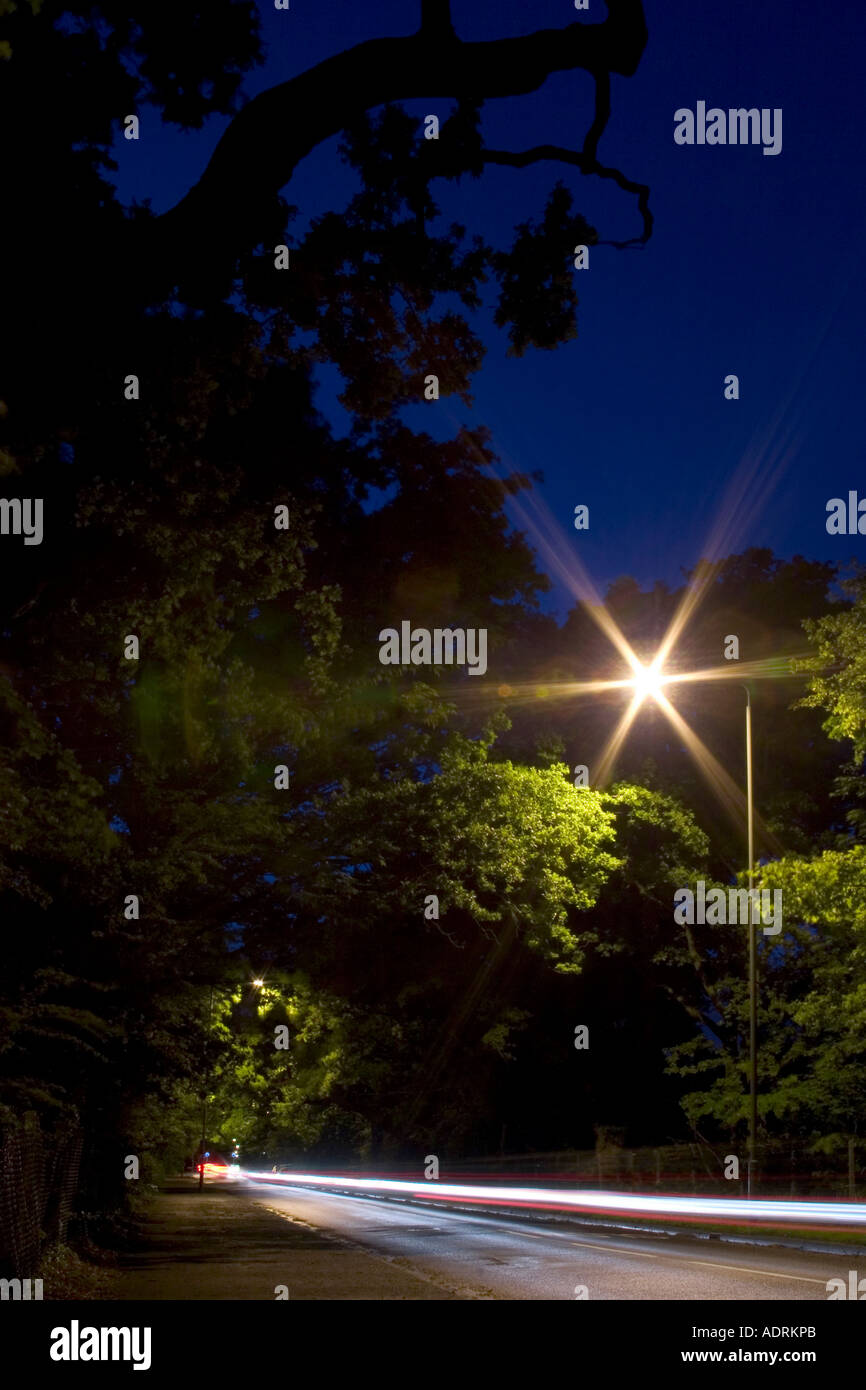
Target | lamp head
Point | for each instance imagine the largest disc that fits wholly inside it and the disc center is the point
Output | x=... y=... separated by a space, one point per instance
x=648 y=681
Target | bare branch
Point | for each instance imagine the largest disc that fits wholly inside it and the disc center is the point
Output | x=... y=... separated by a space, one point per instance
x=519 y=159
x=459 y=945
x=601 y=117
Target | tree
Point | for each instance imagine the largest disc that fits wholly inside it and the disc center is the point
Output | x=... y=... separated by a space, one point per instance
x=425 y=1009
x=194 y=252
x=837 y=685
x=237 y=196
x=257 y=645
x=426 y=895
x=812 y=1011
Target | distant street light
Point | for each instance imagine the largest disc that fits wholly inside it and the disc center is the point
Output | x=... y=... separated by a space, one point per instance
x=257 y=983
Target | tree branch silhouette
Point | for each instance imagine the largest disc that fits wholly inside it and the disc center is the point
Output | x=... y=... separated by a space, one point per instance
x=587 y=165
x=235 y=204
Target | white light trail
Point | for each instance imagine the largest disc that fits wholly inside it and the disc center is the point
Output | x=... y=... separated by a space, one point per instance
x=713 y=1208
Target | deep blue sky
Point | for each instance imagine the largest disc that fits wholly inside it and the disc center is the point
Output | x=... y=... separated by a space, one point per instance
x=753 y=268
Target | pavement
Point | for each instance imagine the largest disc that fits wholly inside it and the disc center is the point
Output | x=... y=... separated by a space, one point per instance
x=247 y=1240
x=222 y=1244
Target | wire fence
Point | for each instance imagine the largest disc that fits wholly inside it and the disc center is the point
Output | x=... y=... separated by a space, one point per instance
x=39 y=1175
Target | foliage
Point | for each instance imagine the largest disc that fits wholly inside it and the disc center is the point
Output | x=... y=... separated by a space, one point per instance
x=812 y=1017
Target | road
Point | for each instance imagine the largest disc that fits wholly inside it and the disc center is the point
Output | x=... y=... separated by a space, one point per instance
x=467 y=1255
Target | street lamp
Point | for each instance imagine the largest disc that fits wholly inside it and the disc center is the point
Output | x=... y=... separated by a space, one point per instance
x=647 y=682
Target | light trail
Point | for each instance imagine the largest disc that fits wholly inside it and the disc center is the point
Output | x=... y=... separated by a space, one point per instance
x=720 y=1209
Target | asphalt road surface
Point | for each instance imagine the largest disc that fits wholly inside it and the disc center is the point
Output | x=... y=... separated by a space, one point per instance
x=465 y=1255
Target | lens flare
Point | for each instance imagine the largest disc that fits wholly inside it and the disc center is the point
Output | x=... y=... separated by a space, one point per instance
x=648 y=681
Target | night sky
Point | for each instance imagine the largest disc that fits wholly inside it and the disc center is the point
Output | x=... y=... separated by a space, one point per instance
x=752 y=268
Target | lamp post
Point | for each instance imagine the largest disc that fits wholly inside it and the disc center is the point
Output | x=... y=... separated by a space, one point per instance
x=647 y=682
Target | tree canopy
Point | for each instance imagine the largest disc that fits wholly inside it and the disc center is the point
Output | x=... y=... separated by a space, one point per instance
x=244 y=788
